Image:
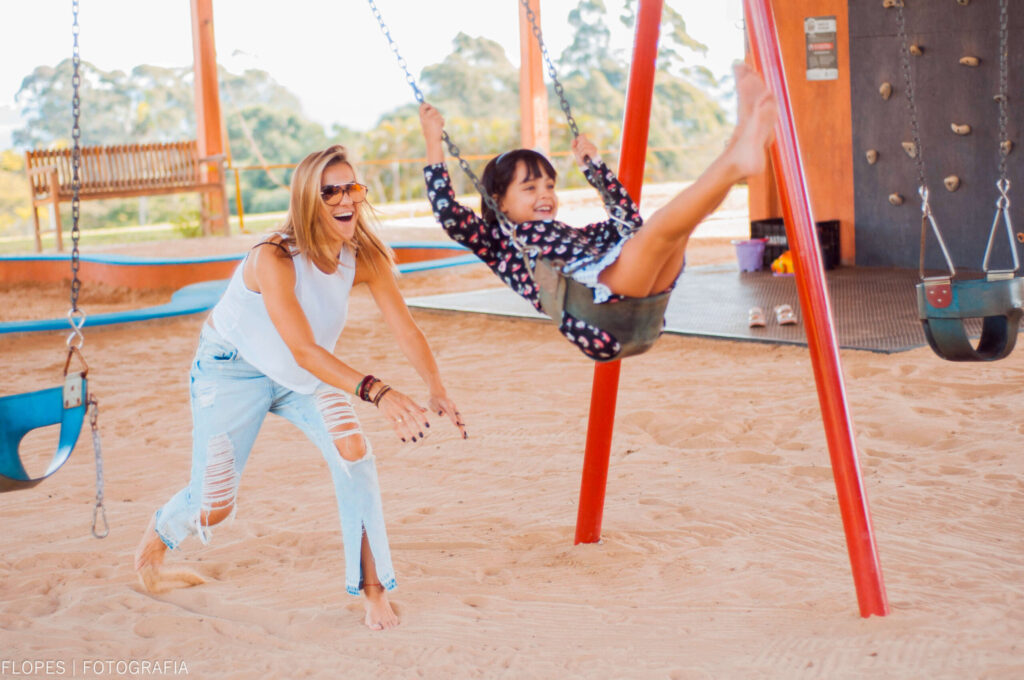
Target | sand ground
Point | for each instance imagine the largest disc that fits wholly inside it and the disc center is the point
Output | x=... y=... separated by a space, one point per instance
x=722 y=556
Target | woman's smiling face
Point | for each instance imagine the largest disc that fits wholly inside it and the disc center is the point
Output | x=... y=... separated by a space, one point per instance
x=343 y=215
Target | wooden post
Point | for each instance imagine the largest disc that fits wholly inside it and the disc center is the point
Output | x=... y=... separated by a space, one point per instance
x=209 y=129
x=535 y=132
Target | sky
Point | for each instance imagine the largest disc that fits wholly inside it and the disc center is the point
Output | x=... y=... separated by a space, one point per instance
x=329 y=53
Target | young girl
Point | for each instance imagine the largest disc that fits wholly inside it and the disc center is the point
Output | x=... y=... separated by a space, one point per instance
x=522 y=183
x=267 y=347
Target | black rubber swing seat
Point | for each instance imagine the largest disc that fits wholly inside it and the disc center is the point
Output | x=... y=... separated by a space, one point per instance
x=635 y=322
x=943 y=306
x=22 y=413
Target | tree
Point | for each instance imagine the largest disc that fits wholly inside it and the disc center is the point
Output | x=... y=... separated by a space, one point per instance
x=475 y=80
x=45 y=102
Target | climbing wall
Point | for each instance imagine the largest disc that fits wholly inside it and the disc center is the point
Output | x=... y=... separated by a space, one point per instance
x=955 y=72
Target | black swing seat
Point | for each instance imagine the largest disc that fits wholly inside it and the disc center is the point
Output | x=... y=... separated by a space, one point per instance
x=21 y=413
x=944 y=304
x=635 y=322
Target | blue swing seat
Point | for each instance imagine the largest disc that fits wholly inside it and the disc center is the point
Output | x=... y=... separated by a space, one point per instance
x=21 y=413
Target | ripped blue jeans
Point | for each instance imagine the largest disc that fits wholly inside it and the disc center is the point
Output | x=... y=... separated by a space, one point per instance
x=230 y=399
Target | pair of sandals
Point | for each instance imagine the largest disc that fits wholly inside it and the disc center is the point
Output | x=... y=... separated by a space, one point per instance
x=784 y=316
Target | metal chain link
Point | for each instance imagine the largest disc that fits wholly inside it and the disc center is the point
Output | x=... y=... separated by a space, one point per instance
x=1004 y=86
x=615 y=211
x=562 y=100
x=98 y=510
x=908 y=84
x=504 y=223
x=927 y=217
x=1003 y=183
x=76 y=318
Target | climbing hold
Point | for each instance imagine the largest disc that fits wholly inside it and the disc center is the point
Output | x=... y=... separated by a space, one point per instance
x=895 y=199
x=885 y=90
x=999 y=97
x=916 y=50
x=963 y=2
x=892 y=3
x=1006 y=147
x=910 y=148
x=952 y=183
x=1020 y=237
x=872 y=156
x=961 y=129
x=969 y=61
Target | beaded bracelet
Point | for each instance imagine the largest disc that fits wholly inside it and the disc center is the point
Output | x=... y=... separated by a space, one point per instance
x=365 y=385
x=380 y=395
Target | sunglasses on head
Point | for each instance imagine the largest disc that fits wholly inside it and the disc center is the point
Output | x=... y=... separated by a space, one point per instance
x=333 y=193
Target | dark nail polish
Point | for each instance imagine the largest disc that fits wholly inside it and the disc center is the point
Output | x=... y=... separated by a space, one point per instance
x=403 y=440
x=465 y=435
x=414 y=438
x=428 y=424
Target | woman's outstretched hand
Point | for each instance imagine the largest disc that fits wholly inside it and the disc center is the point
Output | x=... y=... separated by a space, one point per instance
x=408 y=418
x=442 y=405
x=584 y=149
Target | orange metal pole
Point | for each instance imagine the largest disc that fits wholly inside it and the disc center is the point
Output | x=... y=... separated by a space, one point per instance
x=631 y=172
x=814 y=301
x=533 y=95
x=209 y=128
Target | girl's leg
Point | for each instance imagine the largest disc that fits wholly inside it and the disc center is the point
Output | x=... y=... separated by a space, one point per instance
x=651 y=260
x=328 y=419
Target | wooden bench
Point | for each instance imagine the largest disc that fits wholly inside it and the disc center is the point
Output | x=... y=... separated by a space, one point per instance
x=125 y=171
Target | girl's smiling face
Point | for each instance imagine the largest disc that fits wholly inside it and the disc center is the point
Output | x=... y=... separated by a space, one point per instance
x=529 y=199
x=343 y=215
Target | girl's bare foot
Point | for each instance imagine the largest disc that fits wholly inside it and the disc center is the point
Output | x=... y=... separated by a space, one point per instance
x=755 y=127
x=149 y=560
x=379 y=614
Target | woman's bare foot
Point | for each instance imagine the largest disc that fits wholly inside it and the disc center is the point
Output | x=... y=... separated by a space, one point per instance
x=149 y=560
x=379 y=614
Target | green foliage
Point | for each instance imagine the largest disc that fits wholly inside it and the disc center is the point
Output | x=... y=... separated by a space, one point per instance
x=475 y=86
x=187 y=224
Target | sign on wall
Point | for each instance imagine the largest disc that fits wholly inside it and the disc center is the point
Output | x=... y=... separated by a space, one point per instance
x=822 y=58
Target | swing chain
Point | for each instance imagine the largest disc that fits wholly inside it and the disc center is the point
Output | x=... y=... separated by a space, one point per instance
x=99 y=511
x=908 y=83
x=1004 y=87
x=507 y=227
x=616 y=212
x=1003 y=183
x=563 y=102
x=394 y=49
x=76 y=317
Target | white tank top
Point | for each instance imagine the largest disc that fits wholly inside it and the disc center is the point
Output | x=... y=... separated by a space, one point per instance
x=241 y=318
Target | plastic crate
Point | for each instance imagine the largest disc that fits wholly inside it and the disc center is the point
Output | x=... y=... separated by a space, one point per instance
x=775 y=231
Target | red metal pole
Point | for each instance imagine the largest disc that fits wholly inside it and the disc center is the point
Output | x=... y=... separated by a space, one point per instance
x=814 y=301
x=631 y=172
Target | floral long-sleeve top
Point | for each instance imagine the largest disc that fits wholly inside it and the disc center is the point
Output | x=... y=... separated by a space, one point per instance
x=576 y=246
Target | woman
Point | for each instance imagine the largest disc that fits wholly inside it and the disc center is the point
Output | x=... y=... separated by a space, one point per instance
x=267 y=348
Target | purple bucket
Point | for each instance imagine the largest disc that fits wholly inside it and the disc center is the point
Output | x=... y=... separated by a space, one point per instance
x=750 y=254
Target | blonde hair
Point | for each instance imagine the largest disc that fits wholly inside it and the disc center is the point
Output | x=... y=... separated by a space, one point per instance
x=305 y=228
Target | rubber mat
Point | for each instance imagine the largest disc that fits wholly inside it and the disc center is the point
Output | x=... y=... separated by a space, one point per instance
x=873 y=309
